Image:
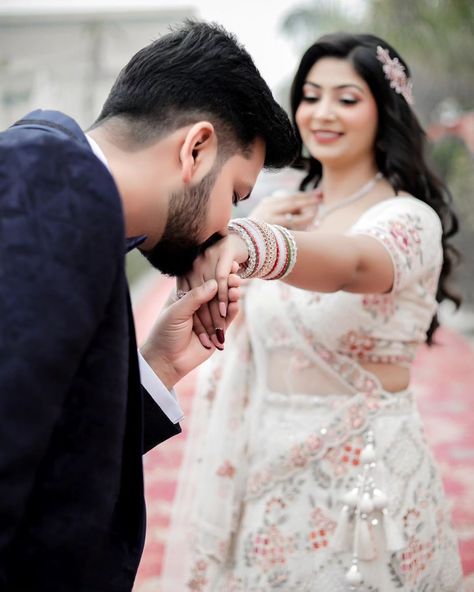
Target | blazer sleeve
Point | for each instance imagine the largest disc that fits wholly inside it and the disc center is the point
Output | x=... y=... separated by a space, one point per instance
x=157 y=426
x=59 y=234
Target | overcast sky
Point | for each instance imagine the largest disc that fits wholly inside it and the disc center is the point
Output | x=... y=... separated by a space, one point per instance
x=257 y=25
x=255 y=22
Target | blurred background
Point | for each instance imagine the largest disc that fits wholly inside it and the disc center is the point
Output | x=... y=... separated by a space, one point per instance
x=66 y=55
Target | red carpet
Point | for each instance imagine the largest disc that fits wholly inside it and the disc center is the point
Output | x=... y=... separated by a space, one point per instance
x=444 y=379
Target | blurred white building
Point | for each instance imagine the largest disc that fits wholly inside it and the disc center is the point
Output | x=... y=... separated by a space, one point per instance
x=67 y=58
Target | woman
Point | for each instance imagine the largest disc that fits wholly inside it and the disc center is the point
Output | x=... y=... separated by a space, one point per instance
x=307 y=468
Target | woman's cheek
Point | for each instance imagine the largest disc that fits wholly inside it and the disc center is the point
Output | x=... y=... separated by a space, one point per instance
x=302 y=117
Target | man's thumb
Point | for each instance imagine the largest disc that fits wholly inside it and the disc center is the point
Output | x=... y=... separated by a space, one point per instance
x=200 y=295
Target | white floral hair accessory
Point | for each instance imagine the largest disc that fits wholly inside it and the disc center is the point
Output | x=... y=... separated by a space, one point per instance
x=395 y=72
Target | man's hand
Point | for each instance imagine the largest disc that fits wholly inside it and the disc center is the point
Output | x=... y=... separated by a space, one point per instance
x=172 y=348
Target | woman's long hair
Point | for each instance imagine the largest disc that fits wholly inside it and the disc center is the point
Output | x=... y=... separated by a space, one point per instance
x=400 y=143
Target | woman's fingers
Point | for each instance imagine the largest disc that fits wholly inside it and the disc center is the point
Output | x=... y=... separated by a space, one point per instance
x=183 y=285
x=304 y=200
x=234 y=295
x=294 y=203
x=209 y=322
x=235 y=281
x=201 y=332
x=204 y=322
x=301 y=220
x=278 y=209
x=206 y=318
x=224 y=267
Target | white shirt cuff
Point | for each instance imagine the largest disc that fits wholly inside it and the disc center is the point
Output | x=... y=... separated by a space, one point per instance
x=164 y=398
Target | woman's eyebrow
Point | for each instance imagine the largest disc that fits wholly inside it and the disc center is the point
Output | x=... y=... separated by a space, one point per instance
x=337 y=87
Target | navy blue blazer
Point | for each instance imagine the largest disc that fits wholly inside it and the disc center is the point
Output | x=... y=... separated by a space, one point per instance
x=74 y=418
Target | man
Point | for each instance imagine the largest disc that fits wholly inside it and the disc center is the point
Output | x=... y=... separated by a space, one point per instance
x=184 y=132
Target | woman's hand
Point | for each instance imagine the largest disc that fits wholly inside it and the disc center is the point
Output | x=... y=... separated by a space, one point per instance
x=221 y=261
x=295 y=211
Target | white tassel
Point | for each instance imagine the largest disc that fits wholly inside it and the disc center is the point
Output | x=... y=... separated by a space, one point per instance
x=393 y=536
x=380 y=500
x=351 y=498
x=341 y=540
x=368 y=455
x=354 y=577
x=364 y=544
x=366 y=505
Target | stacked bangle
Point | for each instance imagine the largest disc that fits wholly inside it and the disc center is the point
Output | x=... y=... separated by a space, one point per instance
x=250 y=266
x=272 y=249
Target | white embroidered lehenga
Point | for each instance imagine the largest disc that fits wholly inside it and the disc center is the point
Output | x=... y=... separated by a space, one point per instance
x=300 y=468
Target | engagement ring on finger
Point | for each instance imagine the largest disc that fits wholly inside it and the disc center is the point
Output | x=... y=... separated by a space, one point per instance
x=289 y=219
x=180 y=293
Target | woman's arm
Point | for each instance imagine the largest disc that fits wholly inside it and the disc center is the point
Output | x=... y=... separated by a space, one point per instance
x=333 y=262
x=324 y=263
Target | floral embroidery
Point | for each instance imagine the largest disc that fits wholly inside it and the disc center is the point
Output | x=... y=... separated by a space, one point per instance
x=298 y=458
x=198 y=579
x=226 y=469
x=366 y=348
x=322 y=528
x=268 y=548
x=415 y=559
x=401 y=235
x=379 y=305
x=274 y=510
x=357 y=345
x=405 y=233
x=411 y=520
x=213 y=383
x=344 y=457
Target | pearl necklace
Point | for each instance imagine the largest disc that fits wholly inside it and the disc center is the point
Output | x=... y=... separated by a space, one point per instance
x=324 y=211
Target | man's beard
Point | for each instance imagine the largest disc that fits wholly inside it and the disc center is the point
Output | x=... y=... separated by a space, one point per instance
x=175 y=252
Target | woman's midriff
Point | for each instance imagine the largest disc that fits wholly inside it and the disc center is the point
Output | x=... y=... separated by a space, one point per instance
x=393 y=378
x=288 y=373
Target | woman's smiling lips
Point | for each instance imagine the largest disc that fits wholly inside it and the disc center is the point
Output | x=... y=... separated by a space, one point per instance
x=326 y=136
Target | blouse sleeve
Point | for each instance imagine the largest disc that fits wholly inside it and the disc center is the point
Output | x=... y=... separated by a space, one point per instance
x=411 y=232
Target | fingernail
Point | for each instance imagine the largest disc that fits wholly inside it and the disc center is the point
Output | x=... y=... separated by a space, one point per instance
x=215 y=341
x=204 y=339
x=223 y=309
x=211 y=285
x=220 y=335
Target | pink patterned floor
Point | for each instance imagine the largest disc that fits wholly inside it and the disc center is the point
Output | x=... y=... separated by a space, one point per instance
x=444 y=378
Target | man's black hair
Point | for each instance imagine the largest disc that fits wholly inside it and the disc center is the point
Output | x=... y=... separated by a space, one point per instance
x=200 y=71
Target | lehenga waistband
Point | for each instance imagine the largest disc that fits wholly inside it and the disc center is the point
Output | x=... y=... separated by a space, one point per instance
x=304 y=400
x=399 y=399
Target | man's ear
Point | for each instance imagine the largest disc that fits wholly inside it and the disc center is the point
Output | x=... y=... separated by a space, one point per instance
x=198 y=152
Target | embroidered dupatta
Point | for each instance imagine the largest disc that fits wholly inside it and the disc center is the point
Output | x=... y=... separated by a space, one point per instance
x=214 y=472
